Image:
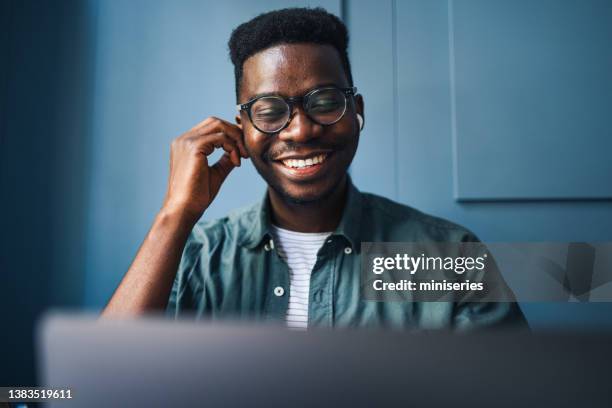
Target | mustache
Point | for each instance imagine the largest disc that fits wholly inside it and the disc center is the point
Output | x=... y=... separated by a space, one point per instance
x=291 y=147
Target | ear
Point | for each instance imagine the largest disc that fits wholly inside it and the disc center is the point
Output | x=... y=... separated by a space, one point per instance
x=359 y=104
x=359 y=107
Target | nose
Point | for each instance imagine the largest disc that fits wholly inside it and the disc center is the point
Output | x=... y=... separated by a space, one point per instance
x=300 y=128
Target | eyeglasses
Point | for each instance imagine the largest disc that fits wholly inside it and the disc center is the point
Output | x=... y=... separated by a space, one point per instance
x=271 y=114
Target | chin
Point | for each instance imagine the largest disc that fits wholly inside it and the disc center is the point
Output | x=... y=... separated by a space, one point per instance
x=310 y=189
x=306 y=193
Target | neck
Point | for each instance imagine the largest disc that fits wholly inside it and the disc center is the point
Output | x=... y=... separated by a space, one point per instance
x=317 y=216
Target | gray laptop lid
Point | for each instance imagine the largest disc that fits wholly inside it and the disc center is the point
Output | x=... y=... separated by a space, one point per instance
x=161 y=363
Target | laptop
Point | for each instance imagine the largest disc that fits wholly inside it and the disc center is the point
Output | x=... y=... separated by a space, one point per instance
x=155 y=362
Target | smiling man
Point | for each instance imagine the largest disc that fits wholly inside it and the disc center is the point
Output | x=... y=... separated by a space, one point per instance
x=295 y=256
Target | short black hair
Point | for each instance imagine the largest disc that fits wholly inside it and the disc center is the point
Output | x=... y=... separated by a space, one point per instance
x=288 y=26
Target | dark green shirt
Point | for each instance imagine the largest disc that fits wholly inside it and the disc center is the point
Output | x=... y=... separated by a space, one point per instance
x=230 y=269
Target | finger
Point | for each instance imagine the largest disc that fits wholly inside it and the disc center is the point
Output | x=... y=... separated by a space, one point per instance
x=231 y=149
x=236 y=133
x=215 y=125
x=235 y=154
x=221 y=169
x=202 y=124
x=209 y=142
x=233 y=131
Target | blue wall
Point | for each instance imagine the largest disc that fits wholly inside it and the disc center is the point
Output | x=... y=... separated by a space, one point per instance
x=470 y=104
x=490 y=113
x=161 y=68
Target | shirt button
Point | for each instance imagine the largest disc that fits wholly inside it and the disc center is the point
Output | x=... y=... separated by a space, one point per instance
x=348 y=250
x=279 y=291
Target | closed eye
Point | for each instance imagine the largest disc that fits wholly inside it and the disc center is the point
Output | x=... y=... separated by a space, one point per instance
x=324 y=106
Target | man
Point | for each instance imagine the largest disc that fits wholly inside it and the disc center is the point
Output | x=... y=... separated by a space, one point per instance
x=295 y=256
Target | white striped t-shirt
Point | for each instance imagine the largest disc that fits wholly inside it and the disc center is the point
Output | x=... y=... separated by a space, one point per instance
x=299 y=251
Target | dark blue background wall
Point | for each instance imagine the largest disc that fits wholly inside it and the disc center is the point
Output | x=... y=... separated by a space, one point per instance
x=46 y=72
x=491 y=113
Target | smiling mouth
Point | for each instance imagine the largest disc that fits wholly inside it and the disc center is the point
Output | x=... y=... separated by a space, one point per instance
x=305 y=163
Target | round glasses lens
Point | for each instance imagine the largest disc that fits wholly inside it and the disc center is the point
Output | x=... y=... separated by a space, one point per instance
x=326 y=106
x=270 y=114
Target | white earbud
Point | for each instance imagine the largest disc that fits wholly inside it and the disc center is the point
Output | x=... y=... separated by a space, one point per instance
x=360 y=120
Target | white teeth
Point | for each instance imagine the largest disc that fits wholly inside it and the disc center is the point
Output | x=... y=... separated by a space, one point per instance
x=298 y=164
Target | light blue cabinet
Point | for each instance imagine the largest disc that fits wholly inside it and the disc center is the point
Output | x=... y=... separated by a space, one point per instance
x=499 y=119
x=532 y=99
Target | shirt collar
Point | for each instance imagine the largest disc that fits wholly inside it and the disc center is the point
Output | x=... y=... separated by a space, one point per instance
x=350 y=223
x=349 y=227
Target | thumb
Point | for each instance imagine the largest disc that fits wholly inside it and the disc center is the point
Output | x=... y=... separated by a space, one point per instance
x=220 y=170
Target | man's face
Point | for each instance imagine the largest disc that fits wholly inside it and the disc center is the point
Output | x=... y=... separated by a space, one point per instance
x=292 y=70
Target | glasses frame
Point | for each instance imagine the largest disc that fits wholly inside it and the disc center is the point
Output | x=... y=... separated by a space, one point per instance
x=292 y=101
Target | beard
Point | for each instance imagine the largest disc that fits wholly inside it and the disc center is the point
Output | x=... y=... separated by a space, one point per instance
x=291 y=199
x=320 y=189
x=275 y=184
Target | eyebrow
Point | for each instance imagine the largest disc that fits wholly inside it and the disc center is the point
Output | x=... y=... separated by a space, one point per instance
x=262 y=94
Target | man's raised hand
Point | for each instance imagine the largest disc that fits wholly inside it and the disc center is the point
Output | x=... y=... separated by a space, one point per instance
x=193 y=182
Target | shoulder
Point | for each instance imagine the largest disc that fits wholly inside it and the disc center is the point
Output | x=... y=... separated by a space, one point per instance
x=209 y=234
x=414 y=224
x=212 y=241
